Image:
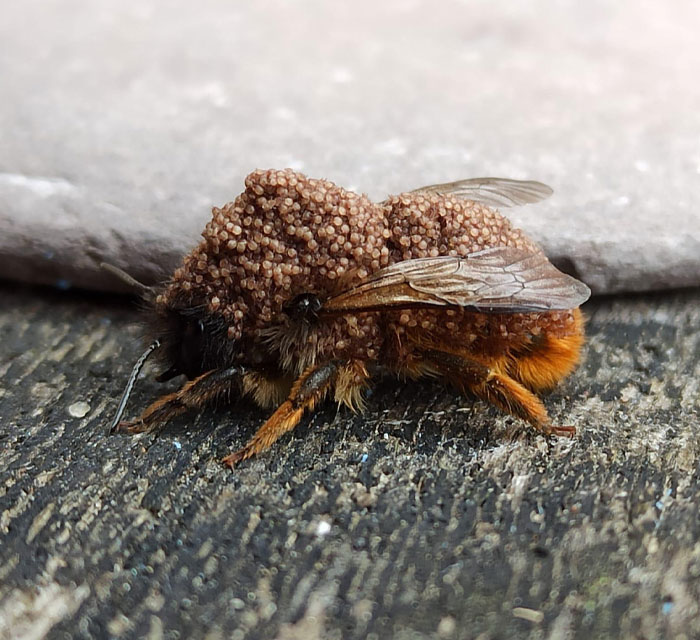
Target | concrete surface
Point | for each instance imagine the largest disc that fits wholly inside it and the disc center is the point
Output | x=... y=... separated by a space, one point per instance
x=424 y=518
x=122 y=123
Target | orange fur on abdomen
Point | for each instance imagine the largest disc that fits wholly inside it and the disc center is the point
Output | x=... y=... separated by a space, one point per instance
x=537 y=350
x=553 y=358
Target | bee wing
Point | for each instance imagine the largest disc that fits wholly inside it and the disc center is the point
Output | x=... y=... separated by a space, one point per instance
x=497 y=280
x=493 y=192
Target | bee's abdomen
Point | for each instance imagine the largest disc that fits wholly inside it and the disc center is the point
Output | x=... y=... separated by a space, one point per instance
x=550 y=358
x=538 y=349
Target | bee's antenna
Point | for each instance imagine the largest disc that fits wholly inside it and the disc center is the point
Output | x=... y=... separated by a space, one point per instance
x=130 y=385
x=144 y=290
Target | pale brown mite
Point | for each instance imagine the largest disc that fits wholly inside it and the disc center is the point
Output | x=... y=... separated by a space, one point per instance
x=300 y=289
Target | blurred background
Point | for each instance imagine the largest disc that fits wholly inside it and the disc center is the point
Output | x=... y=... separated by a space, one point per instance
x=122 y=123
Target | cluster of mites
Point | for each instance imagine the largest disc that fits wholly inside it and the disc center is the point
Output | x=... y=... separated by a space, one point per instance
x=287 y=234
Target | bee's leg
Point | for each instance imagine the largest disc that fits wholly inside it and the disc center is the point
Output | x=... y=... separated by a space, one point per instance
x=350 y=383
x=494 y=387
x=309 y=389
x=193 y=394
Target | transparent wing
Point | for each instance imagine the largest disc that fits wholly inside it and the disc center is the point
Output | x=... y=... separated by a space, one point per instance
x=498 y=280
x=493 y=192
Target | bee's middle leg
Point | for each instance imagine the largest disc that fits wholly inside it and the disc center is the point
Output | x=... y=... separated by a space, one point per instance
x=309 y=389
x=193 y=394
x=495 y=388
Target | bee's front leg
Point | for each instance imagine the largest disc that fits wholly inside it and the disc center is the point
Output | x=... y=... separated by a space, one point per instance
x=309 y=389
x=194 y=394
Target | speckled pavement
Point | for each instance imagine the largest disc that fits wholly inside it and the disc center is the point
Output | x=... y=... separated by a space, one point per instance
x=425 y=518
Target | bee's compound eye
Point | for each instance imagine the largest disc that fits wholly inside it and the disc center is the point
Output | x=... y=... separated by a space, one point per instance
x=303 y=306
x=200 y=326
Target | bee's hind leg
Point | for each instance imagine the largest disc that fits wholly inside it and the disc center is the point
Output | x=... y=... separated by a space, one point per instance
x=493 y=387
x=192 y=395
x=307 y=391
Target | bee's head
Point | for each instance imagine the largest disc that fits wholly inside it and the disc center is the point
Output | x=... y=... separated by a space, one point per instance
x=186 y=339
x=190 y=340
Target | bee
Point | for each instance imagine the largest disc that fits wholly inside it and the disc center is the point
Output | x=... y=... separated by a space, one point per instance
x=300 y=290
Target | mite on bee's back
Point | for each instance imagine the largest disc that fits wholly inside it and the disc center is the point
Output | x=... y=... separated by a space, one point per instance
x=301 y=288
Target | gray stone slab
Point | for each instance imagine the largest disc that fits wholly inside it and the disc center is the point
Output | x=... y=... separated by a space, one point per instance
x=124 y=122
x=426 y=517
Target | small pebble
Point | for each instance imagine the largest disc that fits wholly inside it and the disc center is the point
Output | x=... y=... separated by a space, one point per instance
x=79 y=409
x=447 y=627
x=531 y=615
x=237 y=604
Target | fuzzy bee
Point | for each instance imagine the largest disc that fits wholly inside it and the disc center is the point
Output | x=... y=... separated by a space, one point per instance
x=301 y=289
